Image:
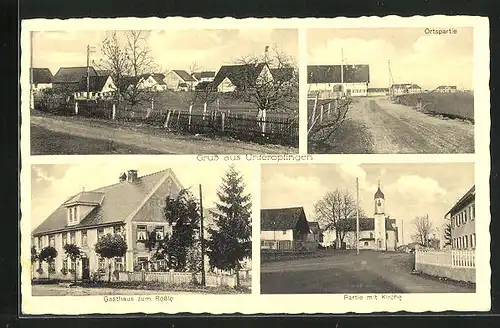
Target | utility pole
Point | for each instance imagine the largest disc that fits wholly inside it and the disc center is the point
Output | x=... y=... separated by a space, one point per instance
x=202 y=240
x=402 y=232
x=88 y=71
x=357 y=216
x=342 y=69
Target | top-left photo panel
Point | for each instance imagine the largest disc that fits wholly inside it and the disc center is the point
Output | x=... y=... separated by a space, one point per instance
x=172 y=91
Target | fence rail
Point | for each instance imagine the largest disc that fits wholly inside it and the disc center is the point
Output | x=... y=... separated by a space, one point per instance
x=173 y=278
x=449 y=259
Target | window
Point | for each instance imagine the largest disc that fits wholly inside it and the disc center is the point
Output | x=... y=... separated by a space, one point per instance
x=52 y=240
x=40 y=244
x=52 y=266
x=471 y=241
x=366 y=243
x=73 y=265
x=75 y=214
x=159 y=232
x=65 y=264
x=102 y=263
x=466 y=241
x=141 y=233
x=474 y=238
x=284 y=232
x=466 y=214
x=84 y=238
x=64 y=238
x=100 y=233
x=119 y=264
x=473 y=212
x=72 y=237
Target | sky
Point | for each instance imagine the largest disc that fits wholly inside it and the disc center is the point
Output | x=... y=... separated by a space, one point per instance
x=410 y=189
x=177 y=49
x=416 y=57
x=51 y=185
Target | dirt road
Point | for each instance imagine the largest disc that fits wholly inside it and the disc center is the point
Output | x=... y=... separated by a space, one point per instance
x=155 y=140
x=369 y=272
x=393 y=128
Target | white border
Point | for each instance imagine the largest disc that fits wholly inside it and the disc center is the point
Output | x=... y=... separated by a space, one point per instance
x=255 y=303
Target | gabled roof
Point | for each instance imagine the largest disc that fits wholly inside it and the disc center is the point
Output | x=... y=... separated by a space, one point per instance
x=196 y=75
x=206 y=74
x=103 y=72
x=314 y=226
x=184 y=75
x=405 y=86
x=72 y=74
x=366 y=224
x=464 y=200
x=159 y=78
x=86 y=198
x=282 y=74
x=240 y=75
x=332 y=73
x=40 y=75
x=280 y=218
x=378 y=89
x=118 y=202
x=446 y=87
x=96 y=83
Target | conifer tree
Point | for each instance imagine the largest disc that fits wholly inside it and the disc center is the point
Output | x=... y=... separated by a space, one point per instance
x=230 y=238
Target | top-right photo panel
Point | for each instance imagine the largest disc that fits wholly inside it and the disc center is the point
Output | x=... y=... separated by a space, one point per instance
x=390 y=91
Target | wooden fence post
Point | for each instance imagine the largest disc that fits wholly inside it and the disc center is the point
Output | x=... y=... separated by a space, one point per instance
x=329 y=109
x=114 y=112
x=313 y=117
x=204 y=109
x=264 y=123
x=189 y=119
x=178 y=117
x=321 y=114
x=76 y=107
x=168 y=118
x=222 y=116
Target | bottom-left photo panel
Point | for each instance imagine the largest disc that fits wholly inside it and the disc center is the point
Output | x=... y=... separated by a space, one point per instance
x=140 y=228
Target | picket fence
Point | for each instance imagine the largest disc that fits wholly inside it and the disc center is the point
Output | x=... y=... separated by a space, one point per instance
x=449 y=259
x=179 y=278
x=288 y=245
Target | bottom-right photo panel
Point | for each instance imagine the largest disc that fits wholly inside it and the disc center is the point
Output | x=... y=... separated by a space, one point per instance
x=367 y=228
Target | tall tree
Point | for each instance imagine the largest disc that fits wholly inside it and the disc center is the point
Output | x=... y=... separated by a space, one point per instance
x=229 y=239
x=74 y=253
x=110 y=246
x=183 y=213
x=423 y=228
x=128 y=59
x=269 y=90
x=48 y=255
x=447 y=233
x=335 y=211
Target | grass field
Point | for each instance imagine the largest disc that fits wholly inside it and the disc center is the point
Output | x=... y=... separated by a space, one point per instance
x=170 y=100
x=453 y=105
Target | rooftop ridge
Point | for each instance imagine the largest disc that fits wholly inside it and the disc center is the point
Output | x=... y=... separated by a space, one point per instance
x=117 y=183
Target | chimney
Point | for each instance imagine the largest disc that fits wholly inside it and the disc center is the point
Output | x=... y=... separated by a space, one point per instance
x=132 y=176
x=123 y=177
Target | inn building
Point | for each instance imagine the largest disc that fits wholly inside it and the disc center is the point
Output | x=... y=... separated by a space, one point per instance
x=463 y=221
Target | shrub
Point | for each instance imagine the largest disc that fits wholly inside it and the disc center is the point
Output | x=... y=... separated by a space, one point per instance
x=116 y=273
x=39 y=271
x=64 y=271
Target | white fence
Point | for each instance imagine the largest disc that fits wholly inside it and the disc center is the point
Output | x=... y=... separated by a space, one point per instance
x=178 y=278
x=289 y=245
x=450 y=259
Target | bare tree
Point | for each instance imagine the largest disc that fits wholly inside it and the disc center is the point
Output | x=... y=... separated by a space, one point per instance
x=423 y=229
x=322 y=127
x=335 y=212
x=269 y=82
x=128 y=60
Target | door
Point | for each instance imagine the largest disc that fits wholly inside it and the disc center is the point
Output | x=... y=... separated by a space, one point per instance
x=379 y=244
x=85 y=268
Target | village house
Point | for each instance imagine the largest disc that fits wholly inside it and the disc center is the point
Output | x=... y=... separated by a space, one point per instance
x=377 y=92
x=229 y=78
x=405 y=88
x=132 y=207
x=349 y=80
x=285 y=229
x=316 y=232
x=180 y=80
x=463 y=221
x=205 y=76
x=153 y=82
x=446 y=89
x=41 y=78
x=70 y=78
x=100 y=87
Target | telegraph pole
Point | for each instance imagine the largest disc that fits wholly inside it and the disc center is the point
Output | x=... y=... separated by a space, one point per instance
x=402 y=232
x=342 y=69
x=357 y=216
x=88 y=71
x=202 y=240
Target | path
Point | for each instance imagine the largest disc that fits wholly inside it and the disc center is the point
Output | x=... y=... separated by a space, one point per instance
x=395 y=128
x=369 y=272
x=156 y=140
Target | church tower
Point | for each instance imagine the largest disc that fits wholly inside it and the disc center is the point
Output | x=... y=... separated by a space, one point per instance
x=379 y=219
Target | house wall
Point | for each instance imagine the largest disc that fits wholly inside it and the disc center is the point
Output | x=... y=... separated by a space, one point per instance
x=226 y=86
x=276 y=235
x=391 y=240
x=463 y=227
x=350 y=239
x=376 y=93
x=356 y=89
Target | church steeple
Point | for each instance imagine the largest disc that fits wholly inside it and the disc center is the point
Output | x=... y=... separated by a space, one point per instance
x=379 y=199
